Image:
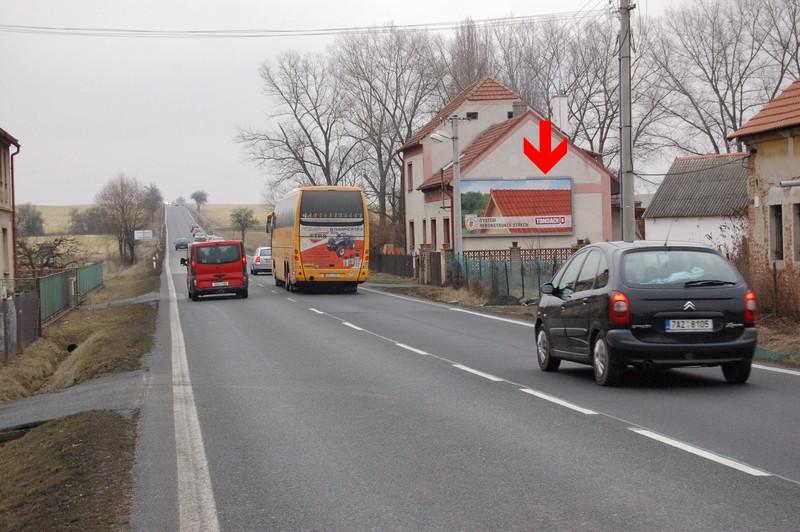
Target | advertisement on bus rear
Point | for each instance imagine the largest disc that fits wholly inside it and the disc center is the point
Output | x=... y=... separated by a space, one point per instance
x=516 y=206
x=334 y=247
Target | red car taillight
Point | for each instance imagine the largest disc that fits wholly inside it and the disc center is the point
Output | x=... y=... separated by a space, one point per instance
x=750 y=307
x=619 y=309
x=258 y=259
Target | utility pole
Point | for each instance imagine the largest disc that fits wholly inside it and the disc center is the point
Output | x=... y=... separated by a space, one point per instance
x=626 y=152
x=457 y=233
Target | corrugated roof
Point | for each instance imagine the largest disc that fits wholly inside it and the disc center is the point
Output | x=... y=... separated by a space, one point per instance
x=782 y=112
x=485 y=89
x=707 y=185
x=529 y=202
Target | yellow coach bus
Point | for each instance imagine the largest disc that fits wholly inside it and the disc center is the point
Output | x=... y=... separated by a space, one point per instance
x=320 y=235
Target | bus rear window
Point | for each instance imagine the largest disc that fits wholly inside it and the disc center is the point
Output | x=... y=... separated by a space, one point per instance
x=218 y=254
x=341 y=207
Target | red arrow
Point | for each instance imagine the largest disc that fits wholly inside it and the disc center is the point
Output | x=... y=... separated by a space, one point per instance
x=545 y=159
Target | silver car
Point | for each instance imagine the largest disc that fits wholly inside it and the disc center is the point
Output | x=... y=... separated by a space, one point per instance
x=261 y=261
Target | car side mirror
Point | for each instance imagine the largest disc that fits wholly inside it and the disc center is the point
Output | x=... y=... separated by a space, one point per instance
x=548 y=288
x=183 y=261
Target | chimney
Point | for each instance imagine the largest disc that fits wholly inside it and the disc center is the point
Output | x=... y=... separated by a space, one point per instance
x=518 y=108
x=560 y=114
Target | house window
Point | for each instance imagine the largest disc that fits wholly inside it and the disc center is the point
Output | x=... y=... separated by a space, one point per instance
x=410 y=177
x=433 y=234
x=510 y=115
x=472 y=115
x=796 y=232
x=424 y=232
x=6 y=264
x=776 y=232
x=411 y=239
x=446 y=233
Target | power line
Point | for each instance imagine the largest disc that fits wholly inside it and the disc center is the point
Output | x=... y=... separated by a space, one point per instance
x=266 y=33
x=737 y=160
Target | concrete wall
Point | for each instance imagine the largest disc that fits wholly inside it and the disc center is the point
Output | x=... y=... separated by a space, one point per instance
x=709 y=230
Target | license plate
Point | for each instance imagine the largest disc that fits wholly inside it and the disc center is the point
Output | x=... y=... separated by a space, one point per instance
x=689 y=325
x=220 y=283
x=331 y=274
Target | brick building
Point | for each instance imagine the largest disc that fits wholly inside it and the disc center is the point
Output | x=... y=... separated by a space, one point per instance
x=772 y=138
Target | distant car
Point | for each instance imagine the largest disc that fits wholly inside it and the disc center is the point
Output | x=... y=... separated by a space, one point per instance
x=194 y=229
x=262 y=261
x=181 y=243
x=200 y=237
x=218 y=267
x=650 y=305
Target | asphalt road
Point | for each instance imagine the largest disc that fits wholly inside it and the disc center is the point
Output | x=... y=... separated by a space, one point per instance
x=373 y=412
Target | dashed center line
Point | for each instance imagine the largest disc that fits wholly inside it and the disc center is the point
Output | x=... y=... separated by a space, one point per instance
x=412 y=349
x=478 y=373
x=316 y=311
x=556 y=400
x=261 y=285
x=744 y=468
x=292 y=300
x=348 y=324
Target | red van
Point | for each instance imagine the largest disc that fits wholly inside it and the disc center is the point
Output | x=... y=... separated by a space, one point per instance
x=216 y=267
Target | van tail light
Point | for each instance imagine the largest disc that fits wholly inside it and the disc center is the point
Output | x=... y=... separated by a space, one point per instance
x=750 y=307
x=619 y=309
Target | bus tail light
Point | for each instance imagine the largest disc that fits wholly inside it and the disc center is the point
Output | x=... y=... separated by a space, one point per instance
x=619 y=309
x=750 y=307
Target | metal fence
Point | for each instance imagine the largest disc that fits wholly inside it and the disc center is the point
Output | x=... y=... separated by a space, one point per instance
x=521 y=279
x=56 y=294
x=402 y=265
x=19 y=322
x=89 y=278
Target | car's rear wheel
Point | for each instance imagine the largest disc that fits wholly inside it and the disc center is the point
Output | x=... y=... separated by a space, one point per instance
x=547 y=362
x=738 y=372
x=606 y=371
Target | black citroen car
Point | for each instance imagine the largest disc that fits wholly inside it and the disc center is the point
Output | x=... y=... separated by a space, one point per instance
x=647 y=304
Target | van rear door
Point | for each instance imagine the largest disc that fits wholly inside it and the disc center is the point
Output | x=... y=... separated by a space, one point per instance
x=220 y=265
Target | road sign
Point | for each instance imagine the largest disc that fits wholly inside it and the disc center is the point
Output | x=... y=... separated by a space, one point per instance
x=544 y=158
x=143 y=234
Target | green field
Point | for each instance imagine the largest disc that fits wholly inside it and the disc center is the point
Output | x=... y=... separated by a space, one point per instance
x=56 y=217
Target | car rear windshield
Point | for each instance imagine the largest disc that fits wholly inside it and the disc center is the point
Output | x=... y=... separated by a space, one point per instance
x=265 y=252
x=331 y=207
x=218 y=254
x=675 y=267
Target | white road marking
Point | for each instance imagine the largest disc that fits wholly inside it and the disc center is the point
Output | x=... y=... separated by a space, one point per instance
x=197 y=509
x=558 y=401
x=479 y=373
x=412 y=299
x=315 y=310
x=412 y=349
x=274 y=291
x=777 y=370
x=292 y=300
x=261 y=285
x=498 y=318
x=702 y=453
x=348 y=324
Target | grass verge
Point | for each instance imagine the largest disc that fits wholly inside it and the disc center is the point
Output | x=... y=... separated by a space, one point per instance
x=464 y=298
x=108 y=341
x=778 y=341
x=73 y=473
x=388 y=278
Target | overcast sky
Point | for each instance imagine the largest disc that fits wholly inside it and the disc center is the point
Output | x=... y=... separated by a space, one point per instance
x=166 y=110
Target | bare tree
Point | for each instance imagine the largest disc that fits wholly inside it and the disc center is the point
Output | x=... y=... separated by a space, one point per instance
x=29 y=220
x=388 y=78
x=123 y=200
x=467 y=57
x=153 y=199
x=309 y=143
x=40 y=257
x=242 y=218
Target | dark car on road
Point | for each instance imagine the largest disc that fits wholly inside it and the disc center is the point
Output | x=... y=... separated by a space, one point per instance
x=181 y=243
x=649 y=305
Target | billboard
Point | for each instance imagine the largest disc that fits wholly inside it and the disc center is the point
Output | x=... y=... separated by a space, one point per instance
x=516 y=206
x=338 y=247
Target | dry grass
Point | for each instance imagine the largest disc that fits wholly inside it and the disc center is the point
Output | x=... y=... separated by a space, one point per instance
x=74 y=473
x=778 y=340
x=109 y=341
x=219 y=214
x=56 y=217
x=388 y=278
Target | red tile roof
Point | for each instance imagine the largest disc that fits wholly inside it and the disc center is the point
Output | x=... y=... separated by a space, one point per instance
x=484 y=141
x=528 y=202
x=486 y=89
x=780 y=113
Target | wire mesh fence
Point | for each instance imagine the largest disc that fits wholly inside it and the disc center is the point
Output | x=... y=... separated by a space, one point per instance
x=488 y=277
